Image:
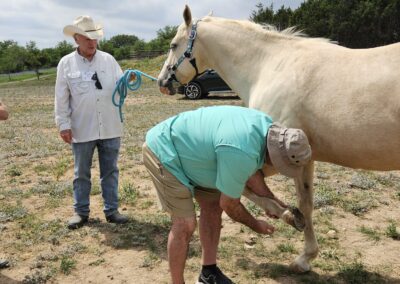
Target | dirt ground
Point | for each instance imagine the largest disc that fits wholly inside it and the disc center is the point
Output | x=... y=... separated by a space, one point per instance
x=357 y=213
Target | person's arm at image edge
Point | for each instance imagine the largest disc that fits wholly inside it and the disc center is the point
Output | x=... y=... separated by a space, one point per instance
x=3 y=111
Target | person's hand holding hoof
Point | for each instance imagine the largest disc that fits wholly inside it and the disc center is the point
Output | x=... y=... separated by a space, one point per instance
x=264 y=228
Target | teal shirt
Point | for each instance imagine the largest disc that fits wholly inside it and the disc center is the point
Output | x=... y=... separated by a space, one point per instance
x=215 y=147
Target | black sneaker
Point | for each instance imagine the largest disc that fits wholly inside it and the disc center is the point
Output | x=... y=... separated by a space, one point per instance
x=215 y=278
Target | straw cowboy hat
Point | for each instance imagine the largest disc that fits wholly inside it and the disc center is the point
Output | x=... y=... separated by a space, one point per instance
x=288 y=149
x=85 y=26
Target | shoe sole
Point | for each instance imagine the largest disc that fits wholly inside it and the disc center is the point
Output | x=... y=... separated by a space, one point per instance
x=76 y=226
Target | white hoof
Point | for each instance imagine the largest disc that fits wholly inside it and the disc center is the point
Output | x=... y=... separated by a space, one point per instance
x=299 y=265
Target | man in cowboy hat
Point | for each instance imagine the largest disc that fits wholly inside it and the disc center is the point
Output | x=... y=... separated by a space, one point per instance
x=87 y=119
x=212 y=154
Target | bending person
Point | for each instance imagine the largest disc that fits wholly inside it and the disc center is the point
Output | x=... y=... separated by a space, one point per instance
x=212 y=154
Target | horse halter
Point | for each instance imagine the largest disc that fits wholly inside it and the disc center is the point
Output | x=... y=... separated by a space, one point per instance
x=187 y=54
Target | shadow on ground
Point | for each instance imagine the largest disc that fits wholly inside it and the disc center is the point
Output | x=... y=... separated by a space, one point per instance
x=6 y=280
x=353 y=273
x=151 y=235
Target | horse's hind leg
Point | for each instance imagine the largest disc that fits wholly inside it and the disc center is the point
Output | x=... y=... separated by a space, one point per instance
x=305 y=196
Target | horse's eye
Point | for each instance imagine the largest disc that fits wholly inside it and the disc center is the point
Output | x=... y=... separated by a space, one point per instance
x=173 y=46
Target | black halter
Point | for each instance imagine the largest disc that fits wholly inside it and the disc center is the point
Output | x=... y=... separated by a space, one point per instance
x=187 y=54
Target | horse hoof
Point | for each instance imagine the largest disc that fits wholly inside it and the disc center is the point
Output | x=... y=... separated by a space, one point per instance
x=299 y=267
x=294 y=218
x=299 y=221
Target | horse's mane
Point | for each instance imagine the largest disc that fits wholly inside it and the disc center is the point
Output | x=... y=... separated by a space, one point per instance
x=271 y=30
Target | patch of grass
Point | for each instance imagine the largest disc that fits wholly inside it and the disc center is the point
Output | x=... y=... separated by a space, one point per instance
x=359 y=204
x=40 y=276
x=392 y=232
x=59 y=168
x=356 y=273
x=14 y=171
x=95 y=190
x=129 y=194
x=40 y=168
x=146 y=204
x=97 y=262
x=363 y=181
x=286 y=248
x=10 y=212
x=67 y=264
x=325 y=195
x=371 y=233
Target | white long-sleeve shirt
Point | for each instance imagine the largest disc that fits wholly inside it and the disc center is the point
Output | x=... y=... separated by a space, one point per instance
x=79 y=105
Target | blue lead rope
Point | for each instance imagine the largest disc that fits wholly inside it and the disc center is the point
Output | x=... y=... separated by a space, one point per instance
x=124 y=84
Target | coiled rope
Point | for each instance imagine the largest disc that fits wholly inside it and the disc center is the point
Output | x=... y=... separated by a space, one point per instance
x=124 y=83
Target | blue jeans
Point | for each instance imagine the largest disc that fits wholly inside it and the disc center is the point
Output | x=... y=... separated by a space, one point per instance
x=108 y=150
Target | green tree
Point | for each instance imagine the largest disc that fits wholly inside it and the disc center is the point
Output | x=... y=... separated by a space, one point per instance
x=63 y=48
x=164 y=37
x=352 y=23
x=34 y=59
x=263 y=14
x=11 y=57
x=119 y=41
x=106 y=46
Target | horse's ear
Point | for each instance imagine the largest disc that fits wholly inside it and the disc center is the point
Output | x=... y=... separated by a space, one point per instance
x=210 y=13
x=187 y=15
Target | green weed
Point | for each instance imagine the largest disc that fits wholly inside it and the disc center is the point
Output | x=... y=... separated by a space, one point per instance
x=129 y=194
x=392 y=232
x=14 y=171
x=60 y=167
x=372 y=234
x=67 y=264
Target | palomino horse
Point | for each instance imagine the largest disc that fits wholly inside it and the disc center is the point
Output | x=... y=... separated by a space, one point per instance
x=347 y=101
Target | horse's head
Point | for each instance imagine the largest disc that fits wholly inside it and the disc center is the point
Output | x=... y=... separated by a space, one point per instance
x=181 y=65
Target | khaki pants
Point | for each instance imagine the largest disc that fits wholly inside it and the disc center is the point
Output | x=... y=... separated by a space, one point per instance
x=174 y=197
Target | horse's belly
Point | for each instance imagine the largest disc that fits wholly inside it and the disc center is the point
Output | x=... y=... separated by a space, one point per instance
x=380 y=152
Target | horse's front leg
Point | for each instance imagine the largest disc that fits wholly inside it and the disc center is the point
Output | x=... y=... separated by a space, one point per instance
x=305 y=196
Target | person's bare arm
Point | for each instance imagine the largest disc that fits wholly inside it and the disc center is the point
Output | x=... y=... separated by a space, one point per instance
x=3 y=111
x=256 y=184
x=235 y=209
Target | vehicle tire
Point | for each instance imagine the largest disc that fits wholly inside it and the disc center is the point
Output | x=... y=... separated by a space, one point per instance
x=193 y=91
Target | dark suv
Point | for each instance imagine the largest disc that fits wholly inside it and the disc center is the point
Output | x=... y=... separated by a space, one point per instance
x=200 y=86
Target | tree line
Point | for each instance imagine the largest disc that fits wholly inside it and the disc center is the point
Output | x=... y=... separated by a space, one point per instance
x=352 y=23
x=15 y=58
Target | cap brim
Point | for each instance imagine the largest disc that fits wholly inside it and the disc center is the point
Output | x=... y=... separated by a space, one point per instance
x=278 y=155
x=71 y=30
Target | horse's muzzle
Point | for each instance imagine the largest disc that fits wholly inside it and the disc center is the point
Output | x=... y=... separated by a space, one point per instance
x=166 y=87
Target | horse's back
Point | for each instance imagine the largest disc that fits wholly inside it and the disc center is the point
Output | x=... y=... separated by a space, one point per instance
x=347 y=101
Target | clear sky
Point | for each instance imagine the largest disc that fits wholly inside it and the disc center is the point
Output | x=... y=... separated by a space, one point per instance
x=42 y=21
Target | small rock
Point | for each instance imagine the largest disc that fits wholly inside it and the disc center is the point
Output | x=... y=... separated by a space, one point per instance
x=332 y=234
x=251 y=240
x=2 y=197
x=246 y=246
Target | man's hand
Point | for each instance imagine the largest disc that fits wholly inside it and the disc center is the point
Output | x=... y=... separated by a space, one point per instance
x=66 y=135
x=132 y=77
x=264 y=228
x=239 y=213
